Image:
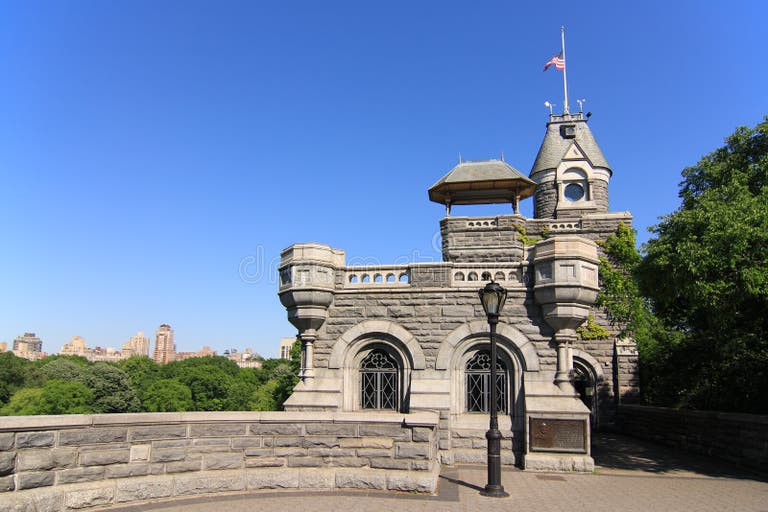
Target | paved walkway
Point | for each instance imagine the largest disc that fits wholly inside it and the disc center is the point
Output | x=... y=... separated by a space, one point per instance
x=630 y=476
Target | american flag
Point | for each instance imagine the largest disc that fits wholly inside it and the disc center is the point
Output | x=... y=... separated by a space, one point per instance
x=558 y=61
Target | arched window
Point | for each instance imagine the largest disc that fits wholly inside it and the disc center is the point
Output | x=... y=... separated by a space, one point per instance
x=478 y=383
x=379 y=381
x=575 y=185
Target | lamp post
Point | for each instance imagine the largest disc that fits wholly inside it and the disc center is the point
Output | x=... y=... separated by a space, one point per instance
x=493 y=297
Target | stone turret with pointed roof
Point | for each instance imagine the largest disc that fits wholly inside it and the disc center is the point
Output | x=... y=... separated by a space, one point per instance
x=570 y=171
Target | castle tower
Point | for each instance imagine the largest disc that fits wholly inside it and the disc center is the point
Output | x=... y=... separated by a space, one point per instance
x=570 y=171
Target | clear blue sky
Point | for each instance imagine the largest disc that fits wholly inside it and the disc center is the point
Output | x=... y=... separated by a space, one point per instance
x=150 y=149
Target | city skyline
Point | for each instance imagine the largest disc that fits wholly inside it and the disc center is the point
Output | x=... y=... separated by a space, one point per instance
x=157 y=158
x=31 y=346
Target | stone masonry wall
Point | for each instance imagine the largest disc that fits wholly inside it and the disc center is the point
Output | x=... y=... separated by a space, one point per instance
x=545 y=200
x=487 y=239
x=738 y=438
x=62 y=463
x=430 y=315
x=600 y=195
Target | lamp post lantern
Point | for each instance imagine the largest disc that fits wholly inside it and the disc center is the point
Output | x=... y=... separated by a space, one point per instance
x=493 y=296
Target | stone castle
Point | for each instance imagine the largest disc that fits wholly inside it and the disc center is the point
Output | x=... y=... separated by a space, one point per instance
x=414 y=337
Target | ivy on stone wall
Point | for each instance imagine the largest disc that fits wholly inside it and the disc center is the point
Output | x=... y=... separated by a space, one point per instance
x=591 y=330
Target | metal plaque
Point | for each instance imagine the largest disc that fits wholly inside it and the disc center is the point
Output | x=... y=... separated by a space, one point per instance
x=549 y=435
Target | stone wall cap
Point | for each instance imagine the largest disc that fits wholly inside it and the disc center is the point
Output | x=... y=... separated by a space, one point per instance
x=720 y=415
x=421 y=418
x=607 y=216
x=135 y=418
x=26 y=423
x=22 y=423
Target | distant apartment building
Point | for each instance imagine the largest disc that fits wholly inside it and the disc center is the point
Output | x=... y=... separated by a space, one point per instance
x=206 y=351
x=28 y=342
x=28 y=346
x=165 y=349
x=75 y=347
x=285 y=347
x=136 y=346
x=246 y=359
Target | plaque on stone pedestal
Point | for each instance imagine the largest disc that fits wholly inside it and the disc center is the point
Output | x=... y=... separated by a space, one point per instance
x=551 y=435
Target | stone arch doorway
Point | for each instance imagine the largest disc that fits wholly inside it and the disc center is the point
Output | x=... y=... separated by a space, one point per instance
x=587 y=376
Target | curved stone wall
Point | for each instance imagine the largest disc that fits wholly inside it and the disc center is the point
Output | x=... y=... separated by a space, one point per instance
x=63 y=463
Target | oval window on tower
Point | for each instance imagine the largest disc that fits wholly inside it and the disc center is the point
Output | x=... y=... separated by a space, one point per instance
x=574 y=192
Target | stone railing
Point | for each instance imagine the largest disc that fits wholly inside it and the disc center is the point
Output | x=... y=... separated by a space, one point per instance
x=61 y=463
x=376 y=276
x=472 y=275
x=738 y=438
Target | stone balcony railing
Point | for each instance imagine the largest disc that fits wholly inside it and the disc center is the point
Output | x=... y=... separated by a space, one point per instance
x=63 y=463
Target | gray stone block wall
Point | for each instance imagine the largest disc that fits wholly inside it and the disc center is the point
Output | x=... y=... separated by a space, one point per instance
x=429 y=316
x=433 y=306
x=545 y=200
x=482 y=239
x=97 y=460
x=737 y=438
x=600 y=195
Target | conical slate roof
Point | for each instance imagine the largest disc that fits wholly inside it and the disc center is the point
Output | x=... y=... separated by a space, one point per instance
x=558 y=141
x=481 y=182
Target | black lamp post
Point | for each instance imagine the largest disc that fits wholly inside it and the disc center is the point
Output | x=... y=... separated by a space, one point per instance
x=493 y=297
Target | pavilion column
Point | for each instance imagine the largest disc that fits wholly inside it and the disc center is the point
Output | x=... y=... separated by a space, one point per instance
x=308 y=354
x=564 y=342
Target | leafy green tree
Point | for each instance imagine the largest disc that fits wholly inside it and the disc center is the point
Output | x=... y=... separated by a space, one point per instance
x=168 y=395
x=65 y=397
x=142 y=371
x=14 y=374
x=706 y=273
x=56 y=397
x=111 y=387
x=209 y=385
x=64 y=368
x=278 y=377
x=24 y=402
x=264 y=398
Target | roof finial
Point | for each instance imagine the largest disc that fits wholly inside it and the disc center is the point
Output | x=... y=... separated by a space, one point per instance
x=550 y=105
x=581 y=104
x=502 y=155
x=460 y=157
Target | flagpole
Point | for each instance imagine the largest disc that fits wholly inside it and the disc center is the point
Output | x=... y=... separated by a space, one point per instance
x=565 y=81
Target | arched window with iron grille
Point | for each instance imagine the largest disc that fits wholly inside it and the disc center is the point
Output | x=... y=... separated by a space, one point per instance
x=478 y=383
x=379 y=381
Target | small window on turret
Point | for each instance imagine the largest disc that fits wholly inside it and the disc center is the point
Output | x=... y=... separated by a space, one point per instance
x=574 y=192
x=568 y=131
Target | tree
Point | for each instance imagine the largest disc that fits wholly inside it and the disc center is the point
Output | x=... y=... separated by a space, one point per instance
x=62 y=397
x=111 y=389
x=168 y=395
x=64 y=368
x=24 y=402
x=56 y=397
x=277 y=377
x=142 y=372
x=706 y=274
x=14 y=373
